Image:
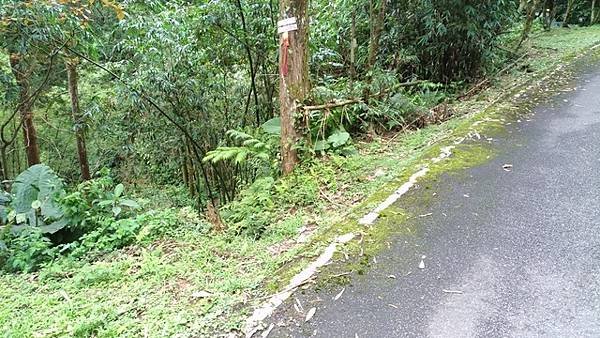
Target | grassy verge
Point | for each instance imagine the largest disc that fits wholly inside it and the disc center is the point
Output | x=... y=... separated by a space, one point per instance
x=195 y=284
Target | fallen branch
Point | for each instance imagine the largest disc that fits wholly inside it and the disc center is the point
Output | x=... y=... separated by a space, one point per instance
x=334 y=104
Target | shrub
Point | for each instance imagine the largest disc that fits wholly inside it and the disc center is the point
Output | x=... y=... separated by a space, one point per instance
x=25 y=250
x=33 y=200
x=44 y=221
x=451 y=39
x=253 y=211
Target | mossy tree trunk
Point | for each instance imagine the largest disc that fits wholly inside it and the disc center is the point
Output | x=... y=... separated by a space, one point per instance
x=25 y=109
x=531 y=8
x=377 y=21
x=294 y=83
x=548 y=13
x=78 y=121
x=568 y=13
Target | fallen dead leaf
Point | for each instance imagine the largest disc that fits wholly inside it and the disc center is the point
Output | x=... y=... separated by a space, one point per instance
x=299 y=305
x=65 y=296
x=310 y=314
x=339 y=294
x=265 y=334
x=201 y=294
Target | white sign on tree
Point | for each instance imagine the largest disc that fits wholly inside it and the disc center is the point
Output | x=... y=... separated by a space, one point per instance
x=287 y=25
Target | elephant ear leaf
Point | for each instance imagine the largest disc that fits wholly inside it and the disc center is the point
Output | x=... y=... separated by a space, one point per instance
x=54 y=226
x=338 y=138
x=37 y=186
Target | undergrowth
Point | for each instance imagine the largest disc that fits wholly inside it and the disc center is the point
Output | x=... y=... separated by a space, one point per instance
x=136 y=272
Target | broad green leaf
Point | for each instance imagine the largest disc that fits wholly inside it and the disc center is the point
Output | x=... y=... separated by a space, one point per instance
x=273 y=126
x=36 y=204
x=129 y=203
x=39 y=183
x=321 y=145
x=119 y=190
x=54 y=226
x=105 y=203
x=116 y=210
x=338 y=139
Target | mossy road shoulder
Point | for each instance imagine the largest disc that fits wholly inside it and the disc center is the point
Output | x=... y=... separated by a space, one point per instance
x=475 y=140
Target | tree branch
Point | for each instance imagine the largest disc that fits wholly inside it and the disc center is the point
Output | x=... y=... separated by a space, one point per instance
x=197 y=149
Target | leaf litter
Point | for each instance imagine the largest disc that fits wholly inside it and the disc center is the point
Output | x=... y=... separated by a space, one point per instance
x=310 y=314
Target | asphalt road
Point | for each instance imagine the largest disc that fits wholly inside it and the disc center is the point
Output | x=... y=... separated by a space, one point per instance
x=507 y=254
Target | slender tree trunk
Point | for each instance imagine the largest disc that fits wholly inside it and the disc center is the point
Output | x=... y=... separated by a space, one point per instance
x=568 y=13
x=549 y=13
x=377 y=23
x=528 y=21
x=250 y=61
x=72 y=81
x=25 y=110
x=3 y=164
x=593 y=13
x=522 y=6
x=353 y=45
x=294 y=82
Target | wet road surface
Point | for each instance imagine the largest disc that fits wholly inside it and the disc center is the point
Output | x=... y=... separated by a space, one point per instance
x=507 y=253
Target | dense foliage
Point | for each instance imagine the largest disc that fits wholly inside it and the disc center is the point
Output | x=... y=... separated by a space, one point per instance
x=183 y=96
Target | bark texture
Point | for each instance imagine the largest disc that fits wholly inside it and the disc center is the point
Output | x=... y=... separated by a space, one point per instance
x=294 y=82
x=532 y=7
x=568 y=13
x=25 y=109
x=377 y=18
x=72 y=82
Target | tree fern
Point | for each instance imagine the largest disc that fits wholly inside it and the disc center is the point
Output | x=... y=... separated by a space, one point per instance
x=249 y=147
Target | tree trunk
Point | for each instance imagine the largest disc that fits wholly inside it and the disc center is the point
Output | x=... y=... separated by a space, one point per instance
x=593 y=13
x=72 y=80
x=250 y=61
x=568 y=13
x=294 y=82
x=25 y=110
x=522 y=5
x=353 y=45
x=528 y=21
x=549 y=11
x=377 y=22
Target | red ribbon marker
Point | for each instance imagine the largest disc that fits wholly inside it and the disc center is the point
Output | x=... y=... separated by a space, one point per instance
x=285 y=42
